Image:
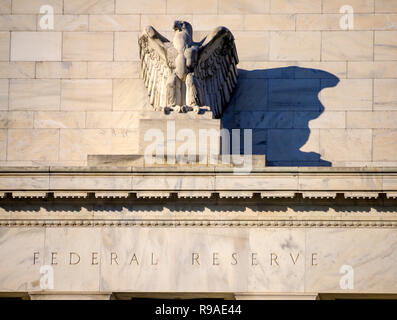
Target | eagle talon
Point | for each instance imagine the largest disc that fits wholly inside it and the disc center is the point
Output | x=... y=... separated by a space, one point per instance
x=177 y=108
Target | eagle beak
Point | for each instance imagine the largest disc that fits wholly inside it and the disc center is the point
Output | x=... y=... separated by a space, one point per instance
x=177 y=26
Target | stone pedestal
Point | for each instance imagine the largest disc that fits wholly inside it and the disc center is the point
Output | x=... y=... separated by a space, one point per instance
x=196 y=138
x=70 y=296
x=183 y=139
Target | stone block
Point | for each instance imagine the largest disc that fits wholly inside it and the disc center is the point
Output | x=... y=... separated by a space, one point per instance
x=359 y=6
x=33 y=144
x=285 y=147
x=252 y=45
x=250 y=94
x=311 y=22
x=103 y=160
x=372 y=69
x=4 y=46
x=76 y=144
x=18 y=22
x=331 y=21
x=164 y=22
x=371 y=22
x=327 y=119
x=141 y=6
x=271 y=22
x=34 y=94
x=320 y=70
x=115 y=119
x=269 y=269
x=88 y=46
x=371 y=119
x=4 y=88
x=296 y=6
x=347 y=246
x=59 y=119
x=33 y=6
x=385 y=45
x=264 y=120
x=349 y=94
x=17 y=70
x=61 y=70
x=114 y=22
x=375 y=21
x=3 y=143
x=78 y=95
x=385 y=21
x=89 y=6
x=16 y=119
x=288 y=45
x=126 y=46
x=310 y=150
x=22 y=272
x=195 y=6
x=36 y=46
x=208 y=22
x=97 y=182
x=24 y=182
x=265 y=70
x=114 y=70
x=5 y=6
x=272 y=182
x=164 y=182
x=68 y=22
x=202 y=136
x=243 y=6
x=129 y=94
x=294 y=94
x=385 y=6
x=346 y=144
x=385 y=94
x=347 y=45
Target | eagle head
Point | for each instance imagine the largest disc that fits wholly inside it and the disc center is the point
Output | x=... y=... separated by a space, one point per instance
x=183 y=26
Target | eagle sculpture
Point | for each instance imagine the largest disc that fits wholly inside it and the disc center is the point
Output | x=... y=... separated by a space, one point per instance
x=184 y=75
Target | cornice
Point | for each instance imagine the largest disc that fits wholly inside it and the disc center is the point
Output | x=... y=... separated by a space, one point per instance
x=159 y=194
x=181 y=223
x=197 y=182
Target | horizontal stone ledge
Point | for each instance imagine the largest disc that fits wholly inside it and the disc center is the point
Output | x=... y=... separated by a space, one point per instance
x=191 y=169
x=69 y=295
x=268 y=182
x=174 y=223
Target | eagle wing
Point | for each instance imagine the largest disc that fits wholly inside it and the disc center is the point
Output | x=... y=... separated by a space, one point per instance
x=157 y=62
x=216 y=70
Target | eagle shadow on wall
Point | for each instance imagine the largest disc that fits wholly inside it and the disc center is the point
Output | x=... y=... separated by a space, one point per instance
x=276 y=104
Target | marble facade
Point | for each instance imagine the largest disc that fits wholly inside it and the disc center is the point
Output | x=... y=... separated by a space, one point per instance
x=214 y=260
x=84 y=216
x=274 y=232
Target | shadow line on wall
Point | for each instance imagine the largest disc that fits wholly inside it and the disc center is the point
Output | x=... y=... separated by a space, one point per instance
x=278 y=104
